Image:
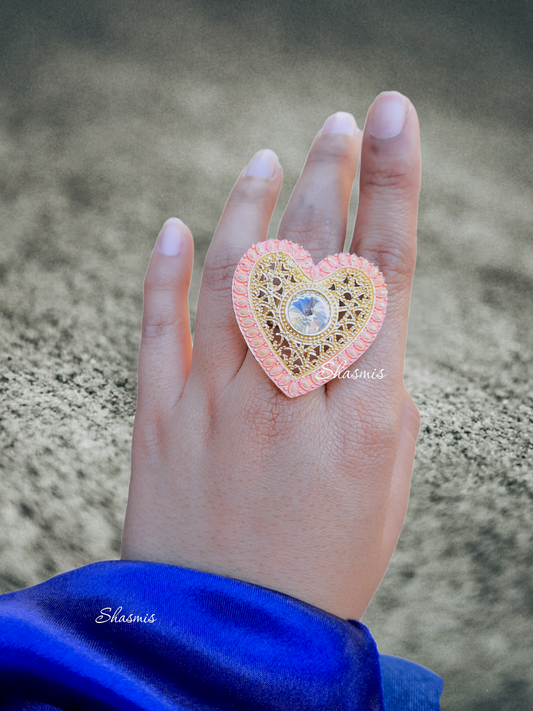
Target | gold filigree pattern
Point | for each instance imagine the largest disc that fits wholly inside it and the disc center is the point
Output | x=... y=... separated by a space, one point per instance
x=276 y=279
x=304 y=322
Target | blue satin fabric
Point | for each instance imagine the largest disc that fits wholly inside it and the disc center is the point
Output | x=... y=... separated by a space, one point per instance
x=169 y=637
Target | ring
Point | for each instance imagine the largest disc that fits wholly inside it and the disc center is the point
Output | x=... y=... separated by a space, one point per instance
x=305 y=322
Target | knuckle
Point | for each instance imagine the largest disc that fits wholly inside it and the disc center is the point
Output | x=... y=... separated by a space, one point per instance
x=250 y=191
x=313 y=229
x=335 y=149
x=374 y=430
x=395 y=177
x=157 y=282
x=275 y=429
x=394 y=257
x=159 y=327
x=219 y=269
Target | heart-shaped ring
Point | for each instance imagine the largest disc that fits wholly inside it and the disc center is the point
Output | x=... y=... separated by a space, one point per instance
x=306 y=323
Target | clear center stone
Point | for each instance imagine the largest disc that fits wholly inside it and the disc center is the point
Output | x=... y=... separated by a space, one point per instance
x=308 y=312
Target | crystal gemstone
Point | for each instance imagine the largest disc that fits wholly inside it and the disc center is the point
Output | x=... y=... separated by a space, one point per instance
x=309 y=312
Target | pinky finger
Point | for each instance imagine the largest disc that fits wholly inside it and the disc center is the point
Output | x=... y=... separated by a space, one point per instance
x=166 y=345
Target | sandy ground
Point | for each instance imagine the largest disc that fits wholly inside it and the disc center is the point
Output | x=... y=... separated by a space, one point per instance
x=111 y=120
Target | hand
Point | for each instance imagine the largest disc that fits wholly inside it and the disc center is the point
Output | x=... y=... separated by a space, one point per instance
x=306 y=496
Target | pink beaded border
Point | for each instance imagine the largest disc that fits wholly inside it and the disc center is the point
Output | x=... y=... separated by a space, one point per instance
x=268 y=359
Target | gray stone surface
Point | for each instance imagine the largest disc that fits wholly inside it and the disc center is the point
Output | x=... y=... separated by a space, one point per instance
x=115 y=116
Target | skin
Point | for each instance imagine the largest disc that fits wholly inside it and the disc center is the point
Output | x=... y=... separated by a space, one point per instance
x=306 y=496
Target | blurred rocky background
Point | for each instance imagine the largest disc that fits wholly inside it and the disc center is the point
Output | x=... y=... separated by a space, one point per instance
x=115 y=116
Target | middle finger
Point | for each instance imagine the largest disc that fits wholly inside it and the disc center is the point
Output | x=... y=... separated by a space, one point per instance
x=317 y=212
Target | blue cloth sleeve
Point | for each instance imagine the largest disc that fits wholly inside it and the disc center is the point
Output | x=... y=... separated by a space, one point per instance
x=135 y=635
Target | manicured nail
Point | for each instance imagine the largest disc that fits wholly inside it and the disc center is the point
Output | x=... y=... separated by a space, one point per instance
x=171 y=237
x=341 y=122
x=387 y=116
x=263 y=165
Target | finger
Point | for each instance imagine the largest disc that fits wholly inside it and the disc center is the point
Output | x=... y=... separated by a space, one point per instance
x=385 y=228
x=219 y=346
x=317 y=212
x=166 y=346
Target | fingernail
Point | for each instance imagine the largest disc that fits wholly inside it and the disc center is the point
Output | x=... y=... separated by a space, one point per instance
x=263 y=165
x=388 y=114
x=171 y=237
x=341 y=122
